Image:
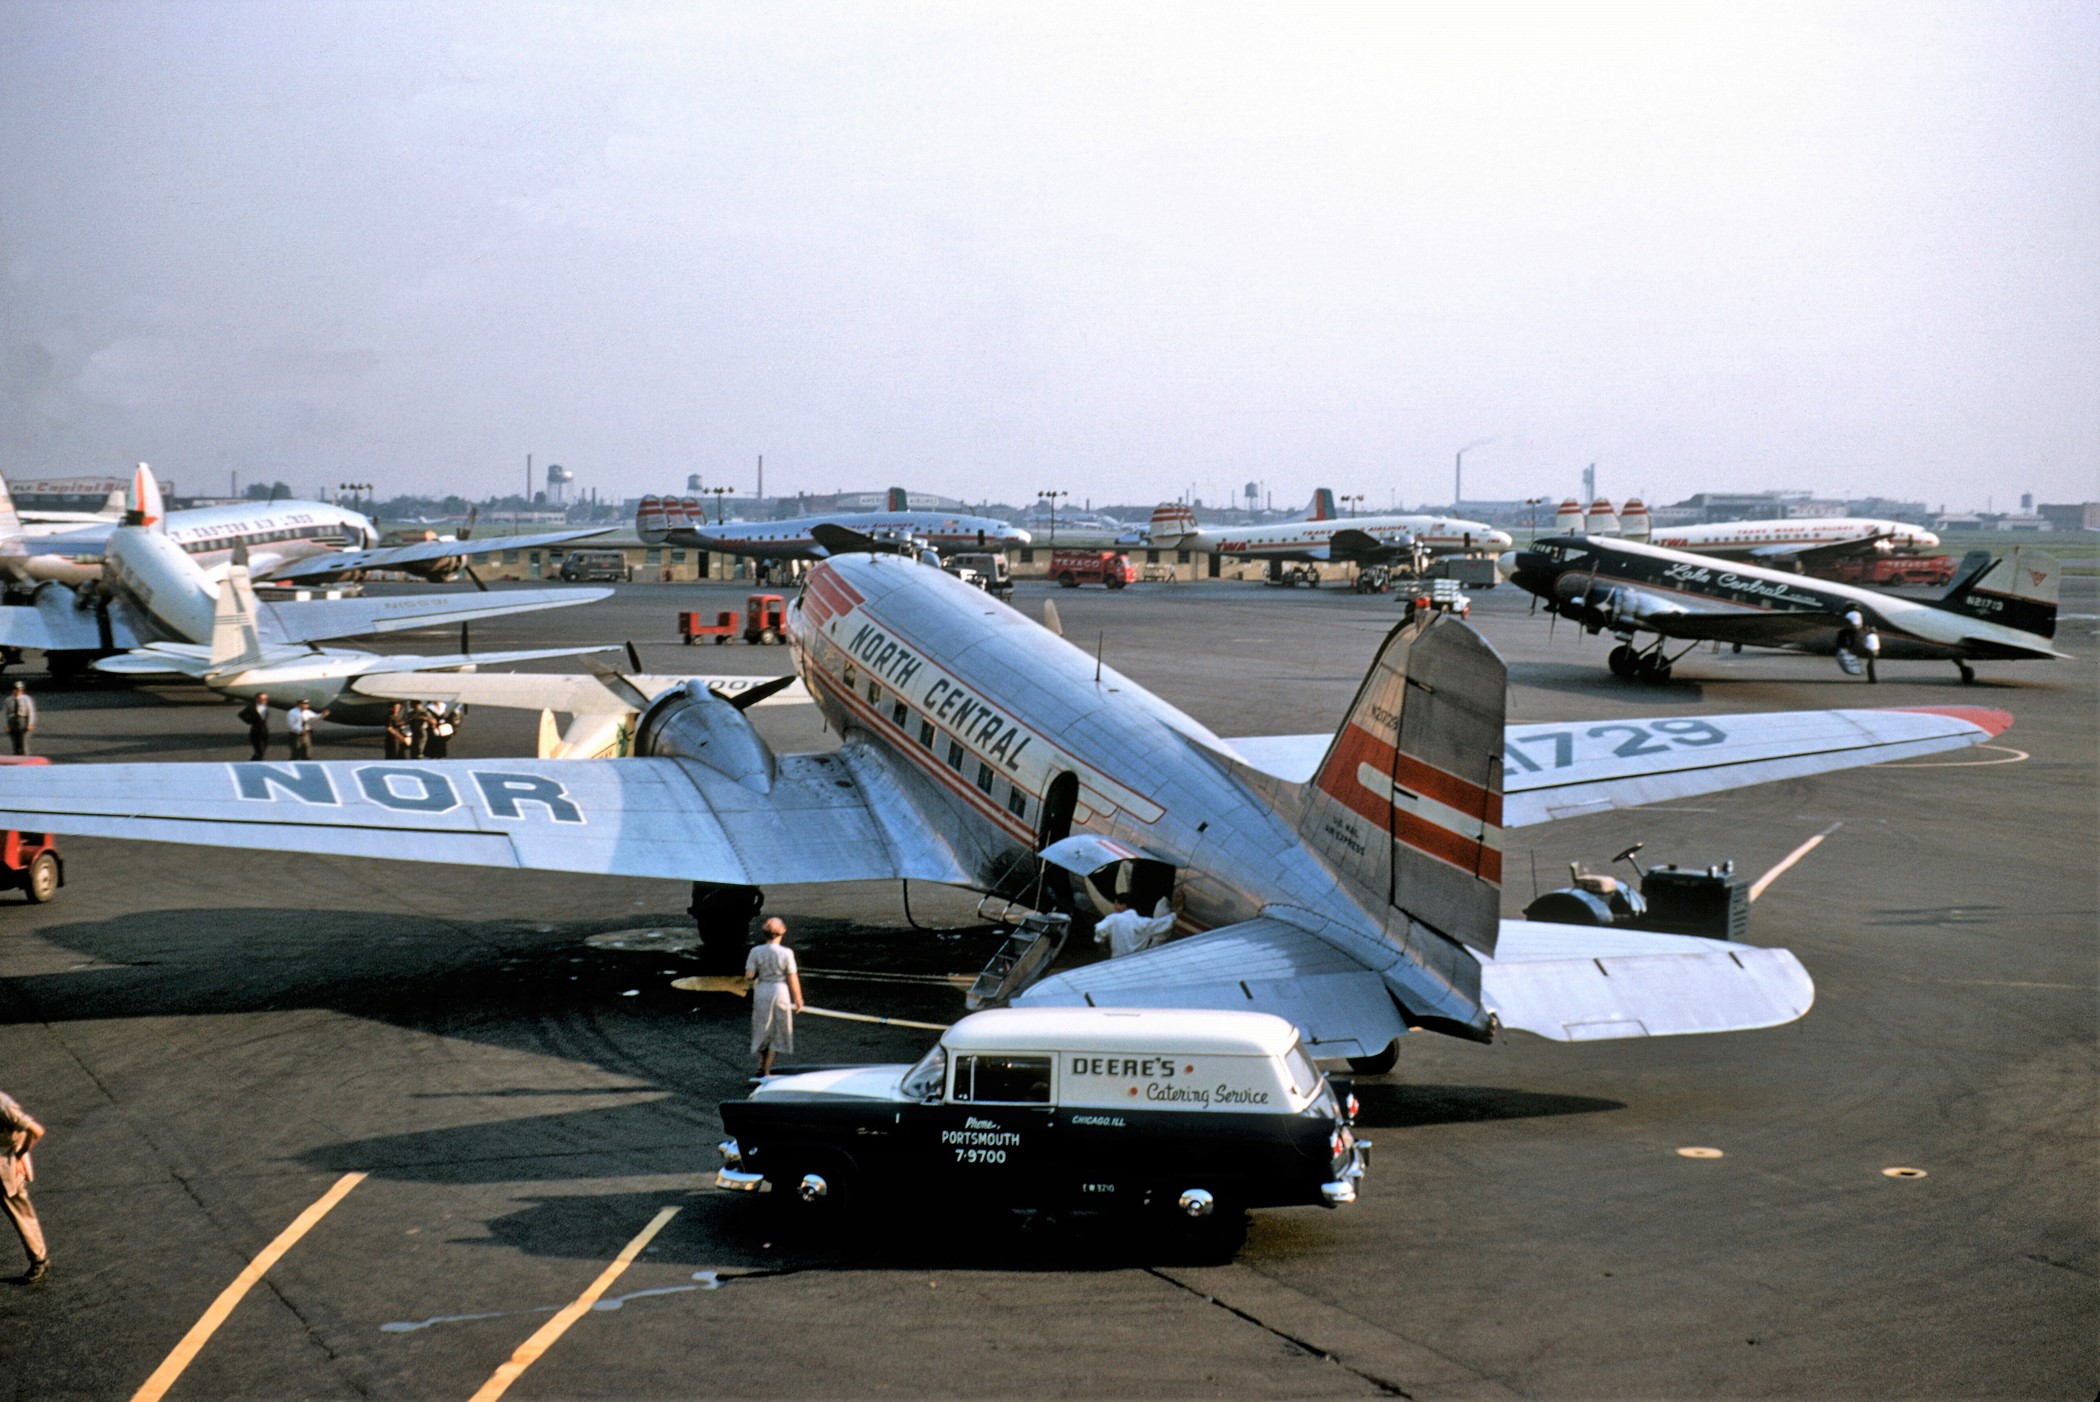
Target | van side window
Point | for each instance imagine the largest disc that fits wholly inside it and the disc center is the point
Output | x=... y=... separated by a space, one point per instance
x=1305 y=1077
x=1003 y=1080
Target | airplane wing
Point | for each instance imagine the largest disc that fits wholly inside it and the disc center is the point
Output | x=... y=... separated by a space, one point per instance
x=567 y=692
x=1363 y=548
x=1749 y=629
x=1563 y=770
x=827 y=817
x=337 y=563
x=317 y=620
x=1812 y=553
x=1564 y=982
x=54 y=624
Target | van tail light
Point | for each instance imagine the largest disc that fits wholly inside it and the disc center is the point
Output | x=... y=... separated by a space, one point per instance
x=1353 y=1107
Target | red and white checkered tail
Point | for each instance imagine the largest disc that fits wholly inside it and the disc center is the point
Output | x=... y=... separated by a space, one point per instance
x=1171 y=520
x=1407 y=806
x=651 y=525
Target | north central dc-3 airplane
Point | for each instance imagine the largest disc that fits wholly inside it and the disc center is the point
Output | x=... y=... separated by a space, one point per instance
x=1356 y=894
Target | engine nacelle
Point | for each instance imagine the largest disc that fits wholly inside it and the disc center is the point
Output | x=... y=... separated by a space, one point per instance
x=691 y=722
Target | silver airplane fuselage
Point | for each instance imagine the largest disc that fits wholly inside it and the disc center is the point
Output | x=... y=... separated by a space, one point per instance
x=985 y=733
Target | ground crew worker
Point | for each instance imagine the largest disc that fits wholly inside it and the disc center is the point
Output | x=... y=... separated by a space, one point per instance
x=444 y=724
x=776 y=995
x=300 y=722
x=256 y=716
x=18 y=1135
x=1127 y=932
x=21 y=718
x=397 y=736
x=418 y=729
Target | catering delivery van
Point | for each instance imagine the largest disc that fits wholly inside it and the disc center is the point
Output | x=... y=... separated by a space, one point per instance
x=1168 y=1112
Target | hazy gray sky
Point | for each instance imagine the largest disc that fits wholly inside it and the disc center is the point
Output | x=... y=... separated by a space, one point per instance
x=1121 y=250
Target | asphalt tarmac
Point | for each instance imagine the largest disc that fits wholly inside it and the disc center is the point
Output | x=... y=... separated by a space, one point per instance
x=216 y=1041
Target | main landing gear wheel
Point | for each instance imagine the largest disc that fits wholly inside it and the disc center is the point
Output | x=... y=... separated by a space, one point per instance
x=1624 y=662
x=1654 y=667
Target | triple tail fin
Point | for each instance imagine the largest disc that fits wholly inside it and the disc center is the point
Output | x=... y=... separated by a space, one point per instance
x=1407 y=806
x=2018 y=590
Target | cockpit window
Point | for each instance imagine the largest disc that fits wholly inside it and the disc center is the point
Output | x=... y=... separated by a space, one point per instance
x=925 y=1080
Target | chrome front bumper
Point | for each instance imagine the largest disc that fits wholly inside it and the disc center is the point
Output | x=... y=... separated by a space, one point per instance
x=1342 y=1191
x=731 y=1174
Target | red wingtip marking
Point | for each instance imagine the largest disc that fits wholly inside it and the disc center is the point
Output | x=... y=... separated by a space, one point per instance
x=1987 y=719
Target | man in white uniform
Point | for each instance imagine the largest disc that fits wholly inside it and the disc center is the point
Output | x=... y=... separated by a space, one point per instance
x=1127 y=932
x=776 y=995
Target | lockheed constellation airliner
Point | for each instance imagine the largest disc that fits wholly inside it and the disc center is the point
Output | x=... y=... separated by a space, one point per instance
x=1357 y=895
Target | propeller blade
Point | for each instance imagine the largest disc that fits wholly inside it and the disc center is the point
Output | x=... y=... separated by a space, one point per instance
x=634 y=659
x=466 y=638
x=469 y=570
x=750 y=696
x=623 y=690
x=467 y=528
x=1050 y=618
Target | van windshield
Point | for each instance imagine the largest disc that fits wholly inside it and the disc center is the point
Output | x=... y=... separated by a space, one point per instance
x=925 y=1080
x=1305 y=1077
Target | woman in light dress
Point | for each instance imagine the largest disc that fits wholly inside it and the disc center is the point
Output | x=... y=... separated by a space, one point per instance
x=776 y=995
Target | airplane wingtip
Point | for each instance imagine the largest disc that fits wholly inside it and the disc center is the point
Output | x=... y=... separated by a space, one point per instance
x=1989 y=719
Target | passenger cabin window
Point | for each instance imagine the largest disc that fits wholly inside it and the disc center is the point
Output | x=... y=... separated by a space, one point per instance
x=926 y=733
x=1017 y=801
x=1003 y=1080
x=874 y=692
x=955 y=755
x=984 y=776
x=899 y=713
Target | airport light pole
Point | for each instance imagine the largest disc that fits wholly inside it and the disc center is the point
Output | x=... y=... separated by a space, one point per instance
x=719 y=493
x=1052 y=497
x=1353 y=500
x=1534 y=503
x=354 y=488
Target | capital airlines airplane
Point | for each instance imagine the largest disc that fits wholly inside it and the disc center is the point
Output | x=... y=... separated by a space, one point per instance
x=2000 y=609
x=1357 y=895
x=683 y=521
x=273 y=533
x=1323 y=536
x=154 y=592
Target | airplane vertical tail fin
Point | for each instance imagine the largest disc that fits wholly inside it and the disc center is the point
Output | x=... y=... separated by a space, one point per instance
x=143 y=505
x=900 y=500
x=1633 y=519
x=2019 y=589
x=1321 y=508
x=652 y=521
x=234 y=643
x=10 y=519
x=1568 y=519
x=1407 y=805
x=1171 y=520
x=1601 y=520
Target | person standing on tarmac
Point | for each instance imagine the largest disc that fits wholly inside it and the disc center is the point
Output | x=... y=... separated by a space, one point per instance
x=397 y=737
x=256 y=716
x=418 y=729
x=21 y=718
x=300 y=722
x=776 y=995
x=1127 y=932
x=18 y=1135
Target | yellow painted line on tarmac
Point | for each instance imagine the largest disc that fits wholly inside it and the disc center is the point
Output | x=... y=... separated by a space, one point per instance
x=1758 y=889
x=200 y=1333
x=529 y=1352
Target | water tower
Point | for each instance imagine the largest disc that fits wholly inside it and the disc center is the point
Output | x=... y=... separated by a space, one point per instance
x=558 y=480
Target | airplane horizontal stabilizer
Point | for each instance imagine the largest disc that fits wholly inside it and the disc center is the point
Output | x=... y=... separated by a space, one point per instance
x=571 y=693
x=318 y=620
x=1566 y=769
x=1580 y=983
x=1261 y=965
x=827 y=817
x=336 y=563
x=54 y=624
